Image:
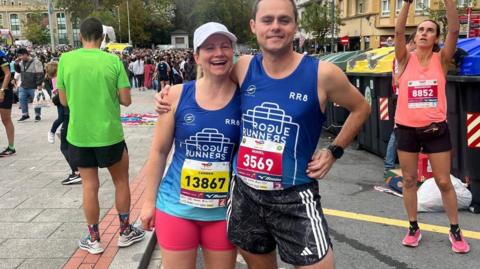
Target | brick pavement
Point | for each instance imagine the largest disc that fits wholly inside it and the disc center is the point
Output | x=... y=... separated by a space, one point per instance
x=42 y=220
x=109 y=232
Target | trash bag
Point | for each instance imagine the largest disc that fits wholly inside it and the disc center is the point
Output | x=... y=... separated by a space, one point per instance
x=430 y=200
x=41 y=99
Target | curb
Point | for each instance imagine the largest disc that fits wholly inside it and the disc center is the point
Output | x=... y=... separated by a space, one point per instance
x=136 y=256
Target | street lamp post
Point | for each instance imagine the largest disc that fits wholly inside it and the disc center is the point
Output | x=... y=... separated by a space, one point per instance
x=128 y=22
x=119 y=29
x=332 y=41
x=50 y=24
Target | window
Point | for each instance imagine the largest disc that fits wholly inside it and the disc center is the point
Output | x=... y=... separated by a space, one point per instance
x=45 y=20
x=421 y=5
x=179 y=40
x=15 y=24
x=398 y=6
x=360 y=6
x=61 y=28
x=1 y=21
x=461 y=3
x=385 y=7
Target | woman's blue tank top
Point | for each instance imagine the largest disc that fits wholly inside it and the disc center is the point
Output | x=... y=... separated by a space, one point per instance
x=197 y=181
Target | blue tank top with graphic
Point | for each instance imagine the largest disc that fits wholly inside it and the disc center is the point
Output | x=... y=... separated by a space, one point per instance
x=281 y=126
x=197 y=182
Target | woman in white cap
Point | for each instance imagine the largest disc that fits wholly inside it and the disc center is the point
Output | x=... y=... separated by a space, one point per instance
x=188 y=207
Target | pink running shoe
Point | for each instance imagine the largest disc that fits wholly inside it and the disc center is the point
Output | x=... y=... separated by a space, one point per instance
x=412 y=238
x=459 y=245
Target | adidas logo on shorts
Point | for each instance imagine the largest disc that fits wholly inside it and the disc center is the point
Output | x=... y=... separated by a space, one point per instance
x=306 y=251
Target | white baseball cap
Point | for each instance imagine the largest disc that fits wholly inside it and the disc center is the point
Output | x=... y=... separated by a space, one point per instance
x=210 y=28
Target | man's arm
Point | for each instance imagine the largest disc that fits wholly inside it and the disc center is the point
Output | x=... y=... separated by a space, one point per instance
x=334 y=85
x=63 y=97
x=123 y=86
x=239 y=70
x=124 y=96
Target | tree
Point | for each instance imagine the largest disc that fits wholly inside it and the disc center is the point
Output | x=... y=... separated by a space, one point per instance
x=235 y=14
x=36 y=29
x=147 y=17
x=184 y=15
x=79 y=8
x=317 y=20
x=160 y=22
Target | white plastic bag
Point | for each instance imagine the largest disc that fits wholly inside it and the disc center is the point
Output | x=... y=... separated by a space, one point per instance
x=430 y=200
x=41 y=99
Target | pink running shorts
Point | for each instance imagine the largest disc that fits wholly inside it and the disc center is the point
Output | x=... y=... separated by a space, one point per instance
x=174 y=233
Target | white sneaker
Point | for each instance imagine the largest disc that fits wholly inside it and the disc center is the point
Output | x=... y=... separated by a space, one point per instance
x=51 y=137
x=94 y=247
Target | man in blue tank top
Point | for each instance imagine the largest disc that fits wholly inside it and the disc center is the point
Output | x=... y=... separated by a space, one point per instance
x=274 y=199
x=284 y=95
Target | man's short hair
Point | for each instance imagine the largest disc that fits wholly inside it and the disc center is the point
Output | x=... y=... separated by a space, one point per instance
x=294 y=6
x=22 y=51
x=91 y=29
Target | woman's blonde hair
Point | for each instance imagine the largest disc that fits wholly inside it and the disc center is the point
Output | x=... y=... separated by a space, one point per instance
x=199 y=72
x=51 y=69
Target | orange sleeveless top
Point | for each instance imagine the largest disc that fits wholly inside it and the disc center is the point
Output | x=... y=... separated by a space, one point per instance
x=421 y=96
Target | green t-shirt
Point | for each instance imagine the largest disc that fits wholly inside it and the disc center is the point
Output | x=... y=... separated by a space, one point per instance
x=90 y=79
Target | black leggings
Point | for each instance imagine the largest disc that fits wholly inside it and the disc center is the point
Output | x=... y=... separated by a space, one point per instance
x=139 y=80
x=64 y=143
x=60 y=118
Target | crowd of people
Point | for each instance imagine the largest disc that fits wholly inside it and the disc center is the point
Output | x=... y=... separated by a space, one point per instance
x=150 y=69
x=33 y=68
x=244 y=133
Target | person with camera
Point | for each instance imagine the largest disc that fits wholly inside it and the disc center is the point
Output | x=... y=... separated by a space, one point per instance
x=421 y=116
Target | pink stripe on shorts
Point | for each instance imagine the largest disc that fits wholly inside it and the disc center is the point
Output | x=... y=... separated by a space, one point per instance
x=174 y=233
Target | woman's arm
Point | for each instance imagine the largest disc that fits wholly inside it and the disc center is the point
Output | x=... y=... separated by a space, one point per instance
x=448 y=50
x=401 y=53
x=157 y=160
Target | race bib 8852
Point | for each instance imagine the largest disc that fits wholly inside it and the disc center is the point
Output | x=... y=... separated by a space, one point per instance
x=422 y=94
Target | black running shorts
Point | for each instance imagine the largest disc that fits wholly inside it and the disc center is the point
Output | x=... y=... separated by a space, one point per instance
x=412 y=140
x=7 y=99
x=96 y=156
x=293 y=219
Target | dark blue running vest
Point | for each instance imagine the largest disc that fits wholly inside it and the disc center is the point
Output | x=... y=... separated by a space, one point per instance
x=196 y=183
x=281 y=125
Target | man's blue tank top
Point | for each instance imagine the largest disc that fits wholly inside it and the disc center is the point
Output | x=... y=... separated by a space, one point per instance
x=281 y=125
x=197 y=181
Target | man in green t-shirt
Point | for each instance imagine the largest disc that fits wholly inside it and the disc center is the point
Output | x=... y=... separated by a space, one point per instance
x=93 y=84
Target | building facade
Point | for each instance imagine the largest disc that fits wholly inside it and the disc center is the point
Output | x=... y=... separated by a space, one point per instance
x=14 y=15
x=371 y=23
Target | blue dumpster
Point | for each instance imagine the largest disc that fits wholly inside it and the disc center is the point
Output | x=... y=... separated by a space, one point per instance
x=471 y=62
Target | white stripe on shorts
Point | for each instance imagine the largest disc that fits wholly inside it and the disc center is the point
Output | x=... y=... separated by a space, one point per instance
x=316 y=222
x=229 y=201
